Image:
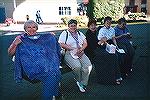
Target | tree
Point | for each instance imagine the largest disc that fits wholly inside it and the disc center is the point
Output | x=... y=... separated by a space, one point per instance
x=112 y=8
x=90 y=7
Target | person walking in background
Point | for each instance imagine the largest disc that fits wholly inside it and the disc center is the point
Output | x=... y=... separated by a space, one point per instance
x=75 y=57
x=27 y=17
x=38 y=17
x=37 y=56
x=123 y=38
x=92 y=41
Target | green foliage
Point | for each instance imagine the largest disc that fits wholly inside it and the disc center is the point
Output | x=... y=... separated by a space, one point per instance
x=82 y=20
x=112 y=8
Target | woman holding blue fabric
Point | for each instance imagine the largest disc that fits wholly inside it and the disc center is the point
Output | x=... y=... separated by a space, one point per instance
x=123 y=38
x=38 y=56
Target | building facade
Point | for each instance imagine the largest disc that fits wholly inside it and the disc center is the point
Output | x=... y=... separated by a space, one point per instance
x=148 y=7
x=138 y=6
x=51 y=11
x=54 y=10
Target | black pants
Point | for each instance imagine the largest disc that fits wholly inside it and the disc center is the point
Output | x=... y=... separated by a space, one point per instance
x=128 y=57
x=106 y=66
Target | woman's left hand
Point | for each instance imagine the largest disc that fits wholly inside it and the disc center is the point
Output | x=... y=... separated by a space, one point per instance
x=129 y=35
x=80 y=52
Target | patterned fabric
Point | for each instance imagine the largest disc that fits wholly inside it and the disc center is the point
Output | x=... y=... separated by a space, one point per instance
x=37 y=57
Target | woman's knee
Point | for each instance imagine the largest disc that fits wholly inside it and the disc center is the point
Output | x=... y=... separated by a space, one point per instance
x=87 y=69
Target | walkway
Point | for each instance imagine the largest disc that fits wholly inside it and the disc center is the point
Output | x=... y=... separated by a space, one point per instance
x=19 y=27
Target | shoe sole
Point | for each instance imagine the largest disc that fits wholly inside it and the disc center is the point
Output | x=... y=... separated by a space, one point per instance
x=80 y=87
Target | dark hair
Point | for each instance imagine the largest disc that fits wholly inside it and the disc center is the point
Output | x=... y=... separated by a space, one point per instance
x=107 y=18
x=72 y=21
x=121 y=20
x=91 y=21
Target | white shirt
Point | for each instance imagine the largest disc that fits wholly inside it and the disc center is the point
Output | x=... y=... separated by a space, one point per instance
x=70 y=40
x=106 y=32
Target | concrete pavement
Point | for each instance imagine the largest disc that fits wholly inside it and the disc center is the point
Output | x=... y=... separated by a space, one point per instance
x=42 y=27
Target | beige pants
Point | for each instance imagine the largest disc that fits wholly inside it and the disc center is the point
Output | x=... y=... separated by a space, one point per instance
x=81 y=67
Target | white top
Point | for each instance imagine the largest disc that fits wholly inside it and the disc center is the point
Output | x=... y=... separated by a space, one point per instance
x=72 y=42
x=106 y=32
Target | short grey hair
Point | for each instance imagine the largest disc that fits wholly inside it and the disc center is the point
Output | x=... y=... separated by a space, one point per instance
x=29 y=22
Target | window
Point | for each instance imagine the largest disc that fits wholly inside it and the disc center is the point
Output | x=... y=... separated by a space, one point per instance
x=132 y=2
x=64 y=10
x=143 y=1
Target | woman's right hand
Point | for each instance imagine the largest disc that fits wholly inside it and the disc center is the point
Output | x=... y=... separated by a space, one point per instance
x=17 y=40
x=70 y=47
x=102 y=41
x=67 y=47
x=12 y=47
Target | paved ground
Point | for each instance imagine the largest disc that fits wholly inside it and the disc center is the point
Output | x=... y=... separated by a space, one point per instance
x=19 y=27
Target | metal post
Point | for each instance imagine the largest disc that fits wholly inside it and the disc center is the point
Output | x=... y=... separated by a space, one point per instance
x=14 y=1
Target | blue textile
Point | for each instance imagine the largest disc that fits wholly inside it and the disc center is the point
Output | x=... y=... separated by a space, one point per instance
x=37 y=57
x=119 y=31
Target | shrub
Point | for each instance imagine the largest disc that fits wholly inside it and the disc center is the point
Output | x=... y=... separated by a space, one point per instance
x=82 y=20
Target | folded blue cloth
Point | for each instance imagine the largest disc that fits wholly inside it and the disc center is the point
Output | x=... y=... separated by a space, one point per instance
x=36 y=56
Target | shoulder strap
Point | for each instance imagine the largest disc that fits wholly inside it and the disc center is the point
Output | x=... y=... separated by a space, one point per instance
x=66 y=36
x=78 y=32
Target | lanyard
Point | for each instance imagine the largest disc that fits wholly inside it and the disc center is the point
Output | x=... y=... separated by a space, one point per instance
x=76 y=39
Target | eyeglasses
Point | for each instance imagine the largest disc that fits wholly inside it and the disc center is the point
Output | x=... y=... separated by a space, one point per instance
x=31 y=27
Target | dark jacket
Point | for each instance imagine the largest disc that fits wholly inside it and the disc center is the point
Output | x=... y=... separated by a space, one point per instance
x=92 y=42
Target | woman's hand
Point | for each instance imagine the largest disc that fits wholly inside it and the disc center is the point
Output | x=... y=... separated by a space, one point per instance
x=102 y=41
x=129 y=35
x=67 y=47
x=13 y=46
x=124 y=35
x=17 y=40
x=80 y=52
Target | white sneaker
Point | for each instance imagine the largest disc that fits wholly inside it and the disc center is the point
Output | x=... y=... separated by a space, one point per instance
x=81 y=88
x=120 y=79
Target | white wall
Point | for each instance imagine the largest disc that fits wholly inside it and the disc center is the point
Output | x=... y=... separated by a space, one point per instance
x=49 y=10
